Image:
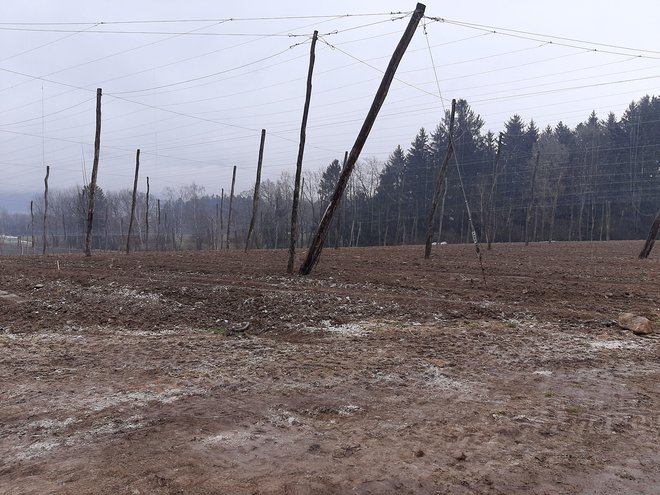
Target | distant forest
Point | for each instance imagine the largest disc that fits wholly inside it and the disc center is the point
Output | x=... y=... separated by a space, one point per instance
x=598 y=181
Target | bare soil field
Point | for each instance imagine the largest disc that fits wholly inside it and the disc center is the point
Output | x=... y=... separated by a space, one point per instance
x=381 y=373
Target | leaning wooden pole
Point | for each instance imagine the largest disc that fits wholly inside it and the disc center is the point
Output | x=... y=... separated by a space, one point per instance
x=45 y=246
x=257 y=185
x=653 y=233
x=135 y=185
x=314 y=252
x=231 y=200
x=95 y=170
x=440 y=182
x=301 y=150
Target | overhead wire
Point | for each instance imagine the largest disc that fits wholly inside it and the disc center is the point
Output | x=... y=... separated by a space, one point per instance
x=339 y=123
x=540 y=37
x=455 y=159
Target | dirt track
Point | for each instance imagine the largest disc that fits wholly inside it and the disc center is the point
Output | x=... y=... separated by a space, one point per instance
x=380 y=373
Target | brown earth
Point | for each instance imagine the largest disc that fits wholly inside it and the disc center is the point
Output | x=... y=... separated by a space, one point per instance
x=382 y=372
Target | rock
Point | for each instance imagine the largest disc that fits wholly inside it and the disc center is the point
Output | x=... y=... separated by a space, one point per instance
x=460 y=457
x=39 y=286
x=419 y=453
x=637 y=324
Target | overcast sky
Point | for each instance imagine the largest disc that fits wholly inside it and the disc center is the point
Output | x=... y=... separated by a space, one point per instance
x=193 y=90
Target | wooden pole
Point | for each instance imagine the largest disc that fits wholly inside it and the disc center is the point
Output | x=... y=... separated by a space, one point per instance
x=653 y=233
x=146 y=221
x=95 y=169
x=301 y=224
x=216 y=226
x=257 y=184
x=490 y=227
x=528 y=217
x=135 y=184
x=45 y=246
x=231 y=200
x=301 y=149
x=158 y=226
x=222 y=212
x=314 y=252
x=32 y=221
x=439 y=182
x=338 y=221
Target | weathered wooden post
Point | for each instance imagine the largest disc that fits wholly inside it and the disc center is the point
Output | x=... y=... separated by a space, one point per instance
x=45 y=246
x=158 y=226
x=32 y=222
x=135 y=184
x=301 y=150
x=653 y=233
x=440 y=182
x=257 y=184
x=314 y=252
x=222 y=212
x=338 y=229
x=490 y=226
x=231 y=200
x=146 y=220
x=95 y=170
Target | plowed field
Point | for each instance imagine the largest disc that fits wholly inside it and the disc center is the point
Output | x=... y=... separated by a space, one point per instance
x=380 y=373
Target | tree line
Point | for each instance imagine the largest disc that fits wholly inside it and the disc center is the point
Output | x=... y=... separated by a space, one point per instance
x=597 y=181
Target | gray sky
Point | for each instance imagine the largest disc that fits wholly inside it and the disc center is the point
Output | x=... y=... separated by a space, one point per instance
x=194 y=93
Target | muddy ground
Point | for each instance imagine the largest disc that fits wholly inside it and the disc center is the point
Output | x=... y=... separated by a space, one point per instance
x=382 y=372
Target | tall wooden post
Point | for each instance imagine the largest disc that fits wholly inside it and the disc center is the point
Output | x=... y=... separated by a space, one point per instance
x=440 y=182
x=490 y=227
x=46 y=209
x=222 y=212
x=158 y=227
x=95 y=170
x=32 y=222
x=301 y=149
x=146 y=221
x=314 y=252
x=338 y=221
x=135 y=184
x=528 y=217
x=231 y=200
x=216 y=226
x=257 y=184
x=653 y=233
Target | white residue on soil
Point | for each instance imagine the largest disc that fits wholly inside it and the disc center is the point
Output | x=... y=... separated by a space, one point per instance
x=348 y=329
x=435 y=377
x=615 y=344
x=140 y=295
x=37 y=449
x=284 y=419
x=349 y=410
x=51 y=424
x=231 y=438
x=113 y=426
x=140 y=399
